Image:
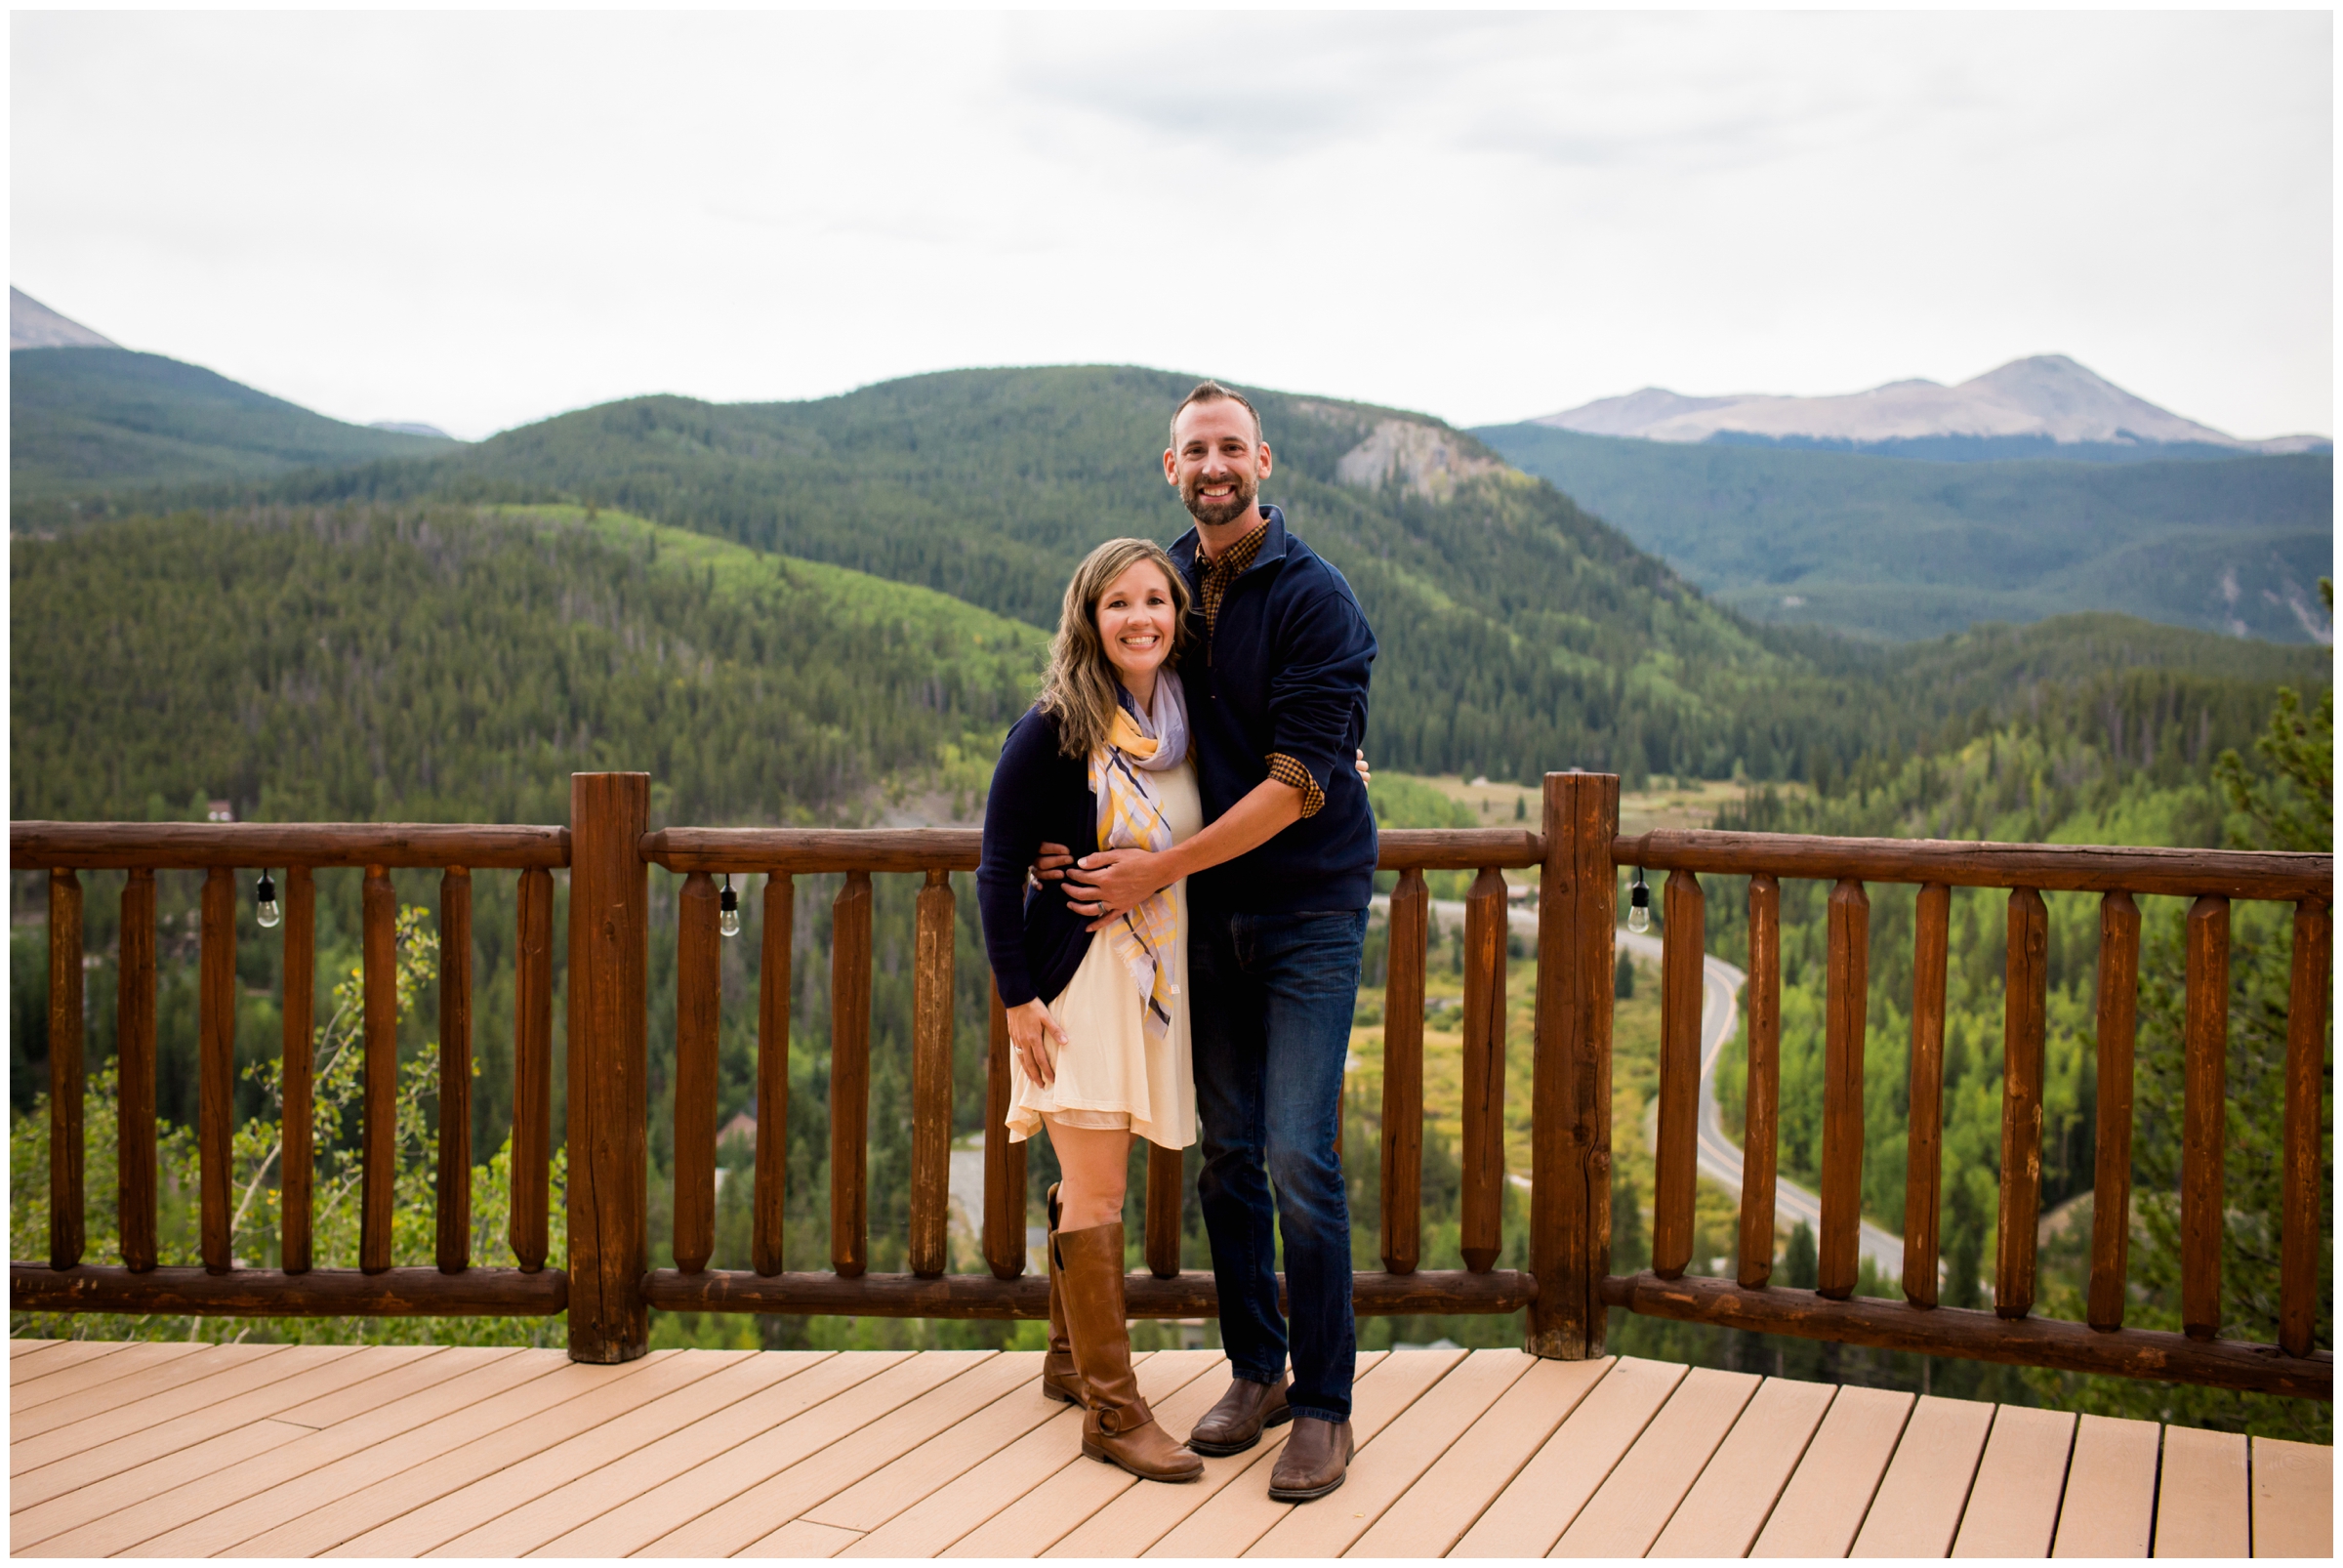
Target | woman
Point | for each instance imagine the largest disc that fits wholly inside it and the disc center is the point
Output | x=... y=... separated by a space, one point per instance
x=1097 y=1023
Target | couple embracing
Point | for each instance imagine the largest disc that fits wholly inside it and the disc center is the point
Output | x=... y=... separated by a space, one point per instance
x=1191 y=755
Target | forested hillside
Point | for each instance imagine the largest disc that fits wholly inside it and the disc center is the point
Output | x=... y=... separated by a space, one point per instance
x=88 y=423
x=1896 y=548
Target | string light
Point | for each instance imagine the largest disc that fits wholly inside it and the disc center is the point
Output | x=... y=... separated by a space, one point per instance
x=1639 y=905
x=267 y=893
x=728 y=917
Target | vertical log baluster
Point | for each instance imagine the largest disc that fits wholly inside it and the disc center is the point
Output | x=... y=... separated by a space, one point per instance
x=1165 y=1186
x=1924 y=1150
x=378 y=948
x=297 y=1173
x=66 y=1069
x=609 y=1066
x=931 y=1076
x=699 y=1006
x=773 y=1072
x=2111 y=1189
x=2299 y=1257
x=2204 y=1118
x=1683 y=939
x=454 y=1236
x=1003 y=1161
x=2024 y=1003
x=1403 y=1075
x=134 y=1051
x=1846 y=1007
x=1481 y=1221
x=850 y=1076
x=216 y=1067
x=530 y=1226
x=1570 y=1164
x=1762 y=1099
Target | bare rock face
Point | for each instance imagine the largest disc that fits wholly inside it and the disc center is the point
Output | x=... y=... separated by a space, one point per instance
x=1423 y=458
x=33 y=326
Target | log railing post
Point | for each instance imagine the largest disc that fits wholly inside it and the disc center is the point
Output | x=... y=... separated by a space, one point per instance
x=67 y=1067
x=699 y=1008
x=774 y=978
x=2299 y=1259
x=530 y=1227
x=1165 y=1189
x=1846 y=1007
x=1683 y=942
x=378 y=1115
x=297 y=1168
x=134 y=1049
x=931 y=1076
x=216 y=1068
x=454 y=1233
x=1481 y=1221
x=1570 y=1169
x=610 y=936
x=2204 y=1118
x=2111 y=1189
x=850 y=1076
x=2023 y=1030
x=1924 y=1149
x=1003 y=1161
x=1403 y=1075
x=1761 y=1119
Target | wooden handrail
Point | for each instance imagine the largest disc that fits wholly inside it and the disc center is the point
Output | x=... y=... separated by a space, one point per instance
x=201 y=845
x=809 y=850
x=2043 y=867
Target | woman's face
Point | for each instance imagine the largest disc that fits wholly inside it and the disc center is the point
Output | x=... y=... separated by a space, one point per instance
x=1136 y=619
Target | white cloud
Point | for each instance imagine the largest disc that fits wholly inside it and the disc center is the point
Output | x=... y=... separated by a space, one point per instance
x=480 y=219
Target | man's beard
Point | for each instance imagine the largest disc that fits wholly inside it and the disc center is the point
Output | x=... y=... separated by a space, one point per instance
x=1213 y=513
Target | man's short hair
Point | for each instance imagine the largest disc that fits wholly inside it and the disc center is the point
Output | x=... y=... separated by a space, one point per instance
x=1212 y=391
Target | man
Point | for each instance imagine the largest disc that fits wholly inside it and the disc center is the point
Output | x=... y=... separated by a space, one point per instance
x=1276 y=680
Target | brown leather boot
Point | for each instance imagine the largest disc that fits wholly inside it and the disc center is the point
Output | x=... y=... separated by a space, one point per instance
x=1059 y=1380
x=1315 y=1461
x=1120 y=1428
x=1235 y=1423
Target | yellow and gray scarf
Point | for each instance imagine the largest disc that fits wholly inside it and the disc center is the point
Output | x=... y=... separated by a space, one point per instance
x=1131 y=816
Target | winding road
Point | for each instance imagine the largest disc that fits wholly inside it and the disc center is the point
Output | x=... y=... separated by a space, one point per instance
x=1720 y=1016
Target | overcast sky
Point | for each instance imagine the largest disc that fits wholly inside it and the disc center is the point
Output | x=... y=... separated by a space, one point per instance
x=481 y=221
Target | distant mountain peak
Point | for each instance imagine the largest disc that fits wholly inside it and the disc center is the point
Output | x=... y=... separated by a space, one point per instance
x=2046 y=397
x=33 y=326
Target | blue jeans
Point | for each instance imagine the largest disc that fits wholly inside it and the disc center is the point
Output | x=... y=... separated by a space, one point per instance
x=1273 y=995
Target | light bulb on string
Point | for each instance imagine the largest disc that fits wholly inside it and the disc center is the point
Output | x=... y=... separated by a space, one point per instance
x=1639 y=905
x=727 y=909
x=267 y=910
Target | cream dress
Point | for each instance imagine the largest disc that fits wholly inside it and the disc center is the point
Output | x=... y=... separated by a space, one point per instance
x=1110 y=1074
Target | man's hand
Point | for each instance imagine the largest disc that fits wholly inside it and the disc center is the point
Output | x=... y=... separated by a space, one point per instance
x=1051 y=864
x=1111 y=882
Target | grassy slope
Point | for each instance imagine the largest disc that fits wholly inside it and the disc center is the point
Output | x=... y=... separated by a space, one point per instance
x=1896 y=548
x=91 y=421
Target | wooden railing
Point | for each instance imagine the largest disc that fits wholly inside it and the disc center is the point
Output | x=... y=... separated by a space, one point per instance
x=1568 y=1289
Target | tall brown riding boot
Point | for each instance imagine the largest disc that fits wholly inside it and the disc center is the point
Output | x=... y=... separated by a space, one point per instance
x=1119 y=1429
x=1059 y=1380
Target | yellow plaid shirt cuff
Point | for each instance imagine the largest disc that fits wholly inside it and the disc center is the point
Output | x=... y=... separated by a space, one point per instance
x=1286 y=771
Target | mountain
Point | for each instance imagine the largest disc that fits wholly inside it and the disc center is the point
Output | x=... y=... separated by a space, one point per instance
x=33 y=326
x=89 y=419
x=2044 y=406
x=1890 y=547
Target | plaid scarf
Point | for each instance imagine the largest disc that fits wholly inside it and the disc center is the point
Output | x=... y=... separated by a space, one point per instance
x=1131 y=816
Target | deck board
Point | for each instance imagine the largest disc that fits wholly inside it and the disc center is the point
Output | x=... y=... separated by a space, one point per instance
x=2109 y=1507
x=185 y=1450
x=1730 y=1503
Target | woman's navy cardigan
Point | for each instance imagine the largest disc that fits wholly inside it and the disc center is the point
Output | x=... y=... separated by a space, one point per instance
x=1034 y=941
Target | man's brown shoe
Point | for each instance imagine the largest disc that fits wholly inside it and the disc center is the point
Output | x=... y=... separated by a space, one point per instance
x=1059 y=1380
x=1236 y=1423
x=1316 y=1460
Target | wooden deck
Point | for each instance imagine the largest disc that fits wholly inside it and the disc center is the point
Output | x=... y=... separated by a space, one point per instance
x=180 y=1450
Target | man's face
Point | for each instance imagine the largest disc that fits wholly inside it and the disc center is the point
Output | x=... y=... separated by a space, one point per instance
x=1216 y=464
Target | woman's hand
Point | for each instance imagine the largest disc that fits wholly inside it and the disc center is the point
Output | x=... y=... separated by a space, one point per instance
x=1110 y=884
x=1366 y=774
x=1036 y=1038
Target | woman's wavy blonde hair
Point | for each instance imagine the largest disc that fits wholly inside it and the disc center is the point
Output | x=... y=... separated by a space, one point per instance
x=1079 y=687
